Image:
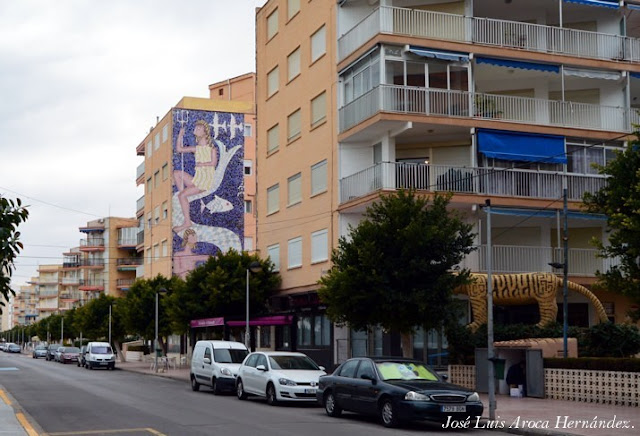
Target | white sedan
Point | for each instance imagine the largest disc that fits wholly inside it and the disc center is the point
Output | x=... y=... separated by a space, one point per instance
x=278 y=376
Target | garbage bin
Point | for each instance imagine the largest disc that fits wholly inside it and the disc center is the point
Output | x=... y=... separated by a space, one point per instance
x=498 y=368
x=159 y=354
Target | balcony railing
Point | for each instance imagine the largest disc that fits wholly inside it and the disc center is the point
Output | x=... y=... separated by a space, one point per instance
x=140 y=171
x=475 y=105
x=97 y=283
x=488 y=31
x=140 y=238
x=93 y=242
x=469 y=180
x=521 y=259
x=128 y=242
x=140 y=203
x=92 y=263
x=124 y=283
x=130 y=261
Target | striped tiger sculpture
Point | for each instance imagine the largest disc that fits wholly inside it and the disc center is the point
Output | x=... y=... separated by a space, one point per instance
x=519 y=289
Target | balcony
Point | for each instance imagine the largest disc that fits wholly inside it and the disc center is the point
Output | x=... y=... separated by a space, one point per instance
x=92 y=244
x=92 y=263
x=68 y=297
x=140 y=205
x=71 y=265
x=70 y=281
x=128 y=242
x=473 y=105
x=91 y=285
x=489 y=32
x=468 y=180
x=48 y=294
x=124 y=284
x=508 y=259
x=140 y=174
x=129 y=263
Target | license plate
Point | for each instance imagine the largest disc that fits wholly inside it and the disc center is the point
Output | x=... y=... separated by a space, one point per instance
x=462 y=409
x=310 y=391
x=103 y=363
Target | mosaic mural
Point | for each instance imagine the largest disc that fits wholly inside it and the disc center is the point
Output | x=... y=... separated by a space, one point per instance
x=208 y=190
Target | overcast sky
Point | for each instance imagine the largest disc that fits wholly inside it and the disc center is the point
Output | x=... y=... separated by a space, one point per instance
x=81 y=82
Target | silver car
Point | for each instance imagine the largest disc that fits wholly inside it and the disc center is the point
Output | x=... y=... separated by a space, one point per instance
x=39 y=351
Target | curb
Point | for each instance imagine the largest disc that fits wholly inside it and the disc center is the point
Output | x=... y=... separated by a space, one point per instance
x=26 y=421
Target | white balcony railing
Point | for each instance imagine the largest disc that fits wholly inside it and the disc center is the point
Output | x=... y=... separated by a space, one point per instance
x=140 y=203
x=488 y=31
x=140 y=171
x=464 y=104
x=523 y=259
x=470 y=180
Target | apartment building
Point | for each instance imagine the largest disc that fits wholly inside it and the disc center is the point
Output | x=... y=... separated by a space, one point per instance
x=198 y=176
x=503 y=100
x=47 y=289
x=25 y=304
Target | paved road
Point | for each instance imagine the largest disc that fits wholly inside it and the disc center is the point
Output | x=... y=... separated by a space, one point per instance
x=65 y=400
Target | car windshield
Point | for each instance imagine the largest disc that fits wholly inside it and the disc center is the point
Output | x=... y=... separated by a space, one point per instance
x=405 y=371
x=292 y=362
x=72 y=350
x=54 y=347
x=41 y=347
x=101 y=350
x=226 y=355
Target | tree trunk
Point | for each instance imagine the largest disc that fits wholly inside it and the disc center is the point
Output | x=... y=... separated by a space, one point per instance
x=118 y=347
x=407 y=345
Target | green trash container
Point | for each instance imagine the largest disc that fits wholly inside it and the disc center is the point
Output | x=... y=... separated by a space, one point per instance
x=498 y=367
x=159 y=354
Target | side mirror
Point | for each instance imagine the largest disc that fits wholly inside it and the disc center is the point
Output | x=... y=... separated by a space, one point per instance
x=207 y=360
x=445 y=376
x=369 y=377
x=261 y=368
x=321 y=368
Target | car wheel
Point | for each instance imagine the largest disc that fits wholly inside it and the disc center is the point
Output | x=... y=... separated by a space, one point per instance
x=330 y=405
x=215 y=386
x=272 y=397
x=195 y=386
x=242 y=395
x=388 y=414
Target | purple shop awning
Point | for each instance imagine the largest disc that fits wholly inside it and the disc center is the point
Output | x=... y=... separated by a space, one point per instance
x=207 y=322
x=264 y=320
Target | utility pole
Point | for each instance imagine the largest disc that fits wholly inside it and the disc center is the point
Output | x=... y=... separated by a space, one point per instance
x=565 y=284
x=490 y=351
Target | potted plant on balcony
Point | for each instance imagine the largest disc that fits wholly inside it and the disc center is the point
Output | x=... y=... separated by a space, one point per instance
x=486 y=106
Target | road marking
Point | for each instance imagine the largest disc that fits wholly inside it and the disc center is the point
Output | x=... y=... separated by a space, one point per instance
x=26 y=424
x=122 y=430
x=5 y=398
x=10 y=368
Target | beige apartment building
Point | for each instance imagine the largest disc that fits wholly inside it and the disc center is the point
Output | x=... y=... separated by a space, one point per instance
x=491 y=100
x=198 y=175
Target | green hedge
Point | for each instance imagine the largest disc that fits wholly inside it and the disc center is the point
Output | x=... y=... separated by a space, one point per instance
x=594 y=363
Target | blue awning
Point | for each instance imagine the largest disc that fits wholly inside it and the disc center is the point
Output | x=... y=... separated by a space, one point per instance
x=634 y=75
x=604 y=3
x=439 y=54
x=518 y=146
x=546 y=213
x=518 y=64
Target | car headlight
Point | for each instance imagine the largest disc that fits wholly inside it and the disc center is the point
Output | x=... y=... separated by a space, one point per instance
x=225 y=371
x=287 y=382
x=415 y=396
x=473 y=397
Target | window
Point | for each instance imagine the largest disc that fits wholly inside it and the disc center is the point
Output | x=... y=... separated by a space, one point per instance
x=165 y=133
x=265 y=336
x=319 y=246
x=165 y=172
x=149 y=148
x=156 y=214
x=293 y=7
x=248 y=206
x=148 y=256
x=221 y=92
x=156 y=252
x=293 y=64
x=149 y=185
x=247 y=167
x=319 y=109
x=165 y=210
x=273 y=81
x=318 y=44
x=248 y=131
x=273 y=253
x=165 y=248
x=156 y=141
x=314 y=330
x=272 y=24
x=156 y=178
x=273 y=199
x=294 y=184
x=248 y=244
x=293 y=126
x=349 y=368
x=149 y=221
x=365 y=368
x=273 y=136
x=295 y=253
x=319 y=177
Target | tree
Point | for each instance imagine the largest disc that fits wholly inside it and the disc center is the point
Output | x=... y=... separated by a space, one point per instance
x=397 y=268
x=12 y=214
x=218 y=288
x=619 y=200
x=92 y=319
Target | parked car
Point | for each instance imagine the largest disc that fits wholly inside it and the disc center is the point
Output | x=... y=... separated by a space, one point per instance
x=13 y=348
x=99 y=355
x=81 y=356
x=39 y=351
x=3 y=346
x=51 y=350
x=396 y=390
x=68 y=354
x=278 y=376
x=216 y=364
x=56 y=354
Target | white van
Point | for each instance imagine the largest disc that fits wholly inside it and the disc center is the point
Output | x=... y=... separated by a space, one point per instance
x=99 y=355
x=215 y=364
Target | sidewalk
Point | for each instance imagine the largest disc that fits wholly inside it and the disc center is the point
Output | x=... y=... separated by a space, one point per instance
x=525 y=416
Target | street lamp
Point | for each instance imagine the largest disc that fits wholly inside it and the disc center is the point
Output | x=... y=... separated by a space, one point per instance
x=157 y=342
x=253 y=267
x=110 y=306
x=565 y=308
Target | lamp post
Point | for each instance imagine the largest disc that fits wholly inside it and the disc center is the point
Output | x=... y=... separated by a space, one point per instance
x=254 y=267
x=565 y=278
x=157 y=342
x=110 y=306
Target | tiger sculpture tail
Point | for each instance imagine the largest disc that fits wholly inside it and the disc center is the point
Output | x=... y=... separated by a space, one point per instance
x=519 y=289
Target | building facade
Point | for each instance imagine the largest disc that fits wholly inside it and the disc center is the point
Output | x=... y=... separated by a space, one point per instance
x=507 y=101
